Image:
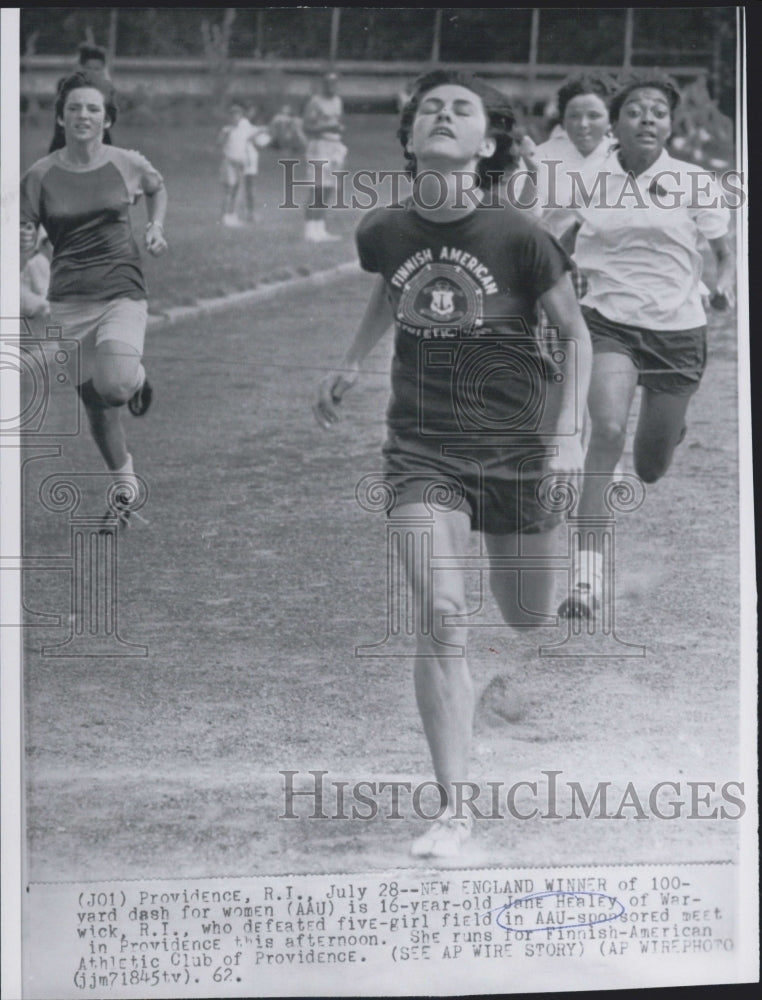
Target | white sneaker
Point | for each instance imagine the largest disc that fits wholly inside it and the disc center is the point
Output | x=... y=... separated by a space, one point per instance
x=582 y=602
x=315 y=232
x=444 y=839
x=232 y=221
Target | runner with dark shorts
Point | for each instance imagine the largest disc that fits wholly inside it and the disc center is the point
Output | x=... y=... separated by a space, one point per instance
x=478 y=396
x=639 y=247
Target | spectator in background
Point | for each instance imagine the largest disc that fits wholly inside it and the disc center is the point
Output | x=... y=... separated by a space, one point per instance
x=404 y=95
x=286 y=132
x=259 y=138
x=701 y=132
x=91 y=59
x=234 y=141
x=325 y=154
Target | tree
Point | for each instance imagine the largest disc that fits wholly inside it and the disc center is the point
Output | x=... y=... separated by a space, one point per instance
x=216 y=39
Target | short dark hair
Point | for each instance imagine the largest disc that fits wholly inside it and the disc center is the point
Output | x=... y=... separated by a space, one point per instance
x=637 y=81
x=82 y=79
x=601 y=84
x=88 y=52
x=498 y=110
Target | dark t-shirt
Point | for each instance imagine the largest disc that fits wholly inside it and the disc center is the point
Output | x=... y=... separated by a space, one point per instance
x=468 y=358
x=86 y=214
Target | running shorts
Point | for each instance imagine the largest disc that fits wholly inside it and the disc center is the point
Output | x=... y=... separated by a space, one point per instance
x=671 y=361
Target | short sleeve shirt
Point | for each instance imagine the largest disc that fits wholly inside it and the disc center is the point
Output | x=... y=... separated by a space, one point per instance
x=236 y=143
x=638 y=244
x=86 y=216
x=558 y=159
x=322 y=116
x=469 y=287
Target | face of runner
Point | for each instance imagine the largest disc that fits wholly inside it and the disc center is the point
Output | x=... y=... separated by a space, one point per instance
x=84 y=115
x=95 y=67
x=586 y=120
x=450 y=126
x=645 y=123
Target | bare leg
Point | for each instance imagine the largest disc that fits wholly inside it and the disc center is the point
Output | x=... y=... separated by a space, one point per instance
x=443 y=688
x=250 y=181
x=612 y=388
x=117 y=374
x=660 y=427
x=526 y=591
x=231 y=198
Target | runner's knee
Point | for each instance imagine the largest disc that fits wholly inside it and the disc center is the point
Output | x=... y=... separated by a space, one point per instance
x=651 y=467
x=441 y=607
x=115 y=388
x=92 y=399
x=608 y=433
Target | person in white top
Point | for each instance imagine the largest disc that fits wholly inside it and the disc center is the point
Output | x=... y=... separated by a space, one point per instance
x=234 y=139
x=259 y=138
x=582 y=140
x=325 y=154
x=643 y=215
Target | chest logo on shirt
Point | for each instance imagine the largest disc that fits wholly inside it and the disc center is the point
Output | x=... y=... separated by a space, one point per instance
x=441 y=295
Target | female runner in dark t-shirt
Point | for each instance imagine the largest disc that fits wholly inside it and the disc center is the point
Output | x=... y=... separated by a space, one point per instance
x=482 y=407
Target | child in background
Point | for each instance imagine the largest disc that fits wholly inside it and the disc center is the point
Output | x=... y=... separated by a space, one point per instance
x=286 y=131
x=234 y=140
x=259 y=138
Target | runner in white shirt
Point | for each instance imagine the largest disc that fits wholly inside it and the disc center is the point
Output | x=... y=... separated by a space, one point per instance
x=583 y=141
x=642 y=218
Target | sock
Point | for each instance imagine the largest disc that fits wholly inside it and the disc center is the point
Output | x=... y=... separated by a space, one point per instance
x=589 y=573
x=139 y=385
x=126 y=476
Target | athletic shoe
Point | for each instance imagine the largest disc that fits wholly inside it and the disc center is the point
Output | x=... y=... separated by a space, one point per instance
x=315 y=232
x=141 y=400
x=444 y=839
x=581 y=603
x=117 y=517
x=232 y=221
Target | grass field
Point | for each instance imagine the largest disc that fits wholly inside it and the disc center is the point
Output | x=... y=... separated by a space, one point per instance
x=208 y=260
x=259 y=574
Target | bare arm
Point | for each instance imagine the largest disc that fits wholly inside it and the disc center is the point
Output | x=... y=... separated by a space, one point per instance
x=560 y=304
x=726 y=271
x=156 y=207
x=374 y=324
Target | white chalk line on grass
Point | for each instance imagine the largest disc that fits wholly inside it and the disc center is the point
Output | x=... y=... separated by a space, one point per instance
x=205 y=307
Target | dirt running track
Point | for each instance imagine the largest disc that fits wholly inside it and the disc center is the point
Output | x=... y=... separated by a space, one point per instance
x=259 y=574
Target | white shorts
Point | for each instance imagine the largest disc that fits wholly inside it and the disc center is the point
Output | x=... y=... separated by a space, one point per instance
x=90 y=323
x=331 y=150
x=231 y=172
